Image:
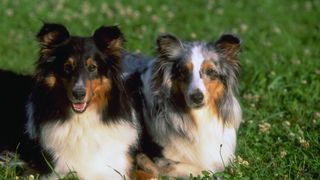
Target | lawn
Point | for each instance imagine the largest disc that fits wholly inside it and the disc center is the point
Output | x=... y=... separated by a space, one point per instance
x=280 y=66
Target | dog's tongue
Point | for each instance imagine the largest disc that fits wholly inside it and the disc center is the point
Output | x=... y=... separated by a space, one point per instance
x=80 y=107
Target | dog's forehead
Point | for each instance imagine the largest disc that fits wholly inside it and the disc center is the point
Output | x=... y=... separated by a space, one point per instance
x=201 y=55
x=81 y=60
x=82 y=44
x=206 y=51
x=83 y=49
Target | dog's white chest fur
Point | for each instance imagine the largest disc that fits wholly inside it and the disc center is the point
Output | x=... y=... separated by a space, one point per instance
x=91 y=148
x=212 y=147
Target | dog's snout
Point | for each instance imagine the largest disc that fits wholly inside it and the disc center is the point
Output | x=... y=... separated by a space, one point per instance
x=79 y=94
x=197 y=97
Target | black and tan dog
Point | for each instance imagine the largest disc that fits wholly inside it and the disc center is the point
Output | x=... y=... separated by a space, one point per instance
x=77 y=112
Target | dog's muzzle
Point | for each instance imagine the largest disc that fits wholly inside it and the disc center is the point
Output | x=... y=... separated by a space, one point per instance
x=197 y=98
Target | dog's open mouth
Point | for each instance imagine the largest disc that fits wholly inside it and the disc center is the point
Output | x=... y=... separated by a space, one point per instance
x=79 y=107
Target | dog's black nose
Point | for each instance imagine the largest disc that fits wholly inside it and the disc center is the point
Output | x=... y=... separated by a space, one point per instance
x=197 y=97
x=79 y=94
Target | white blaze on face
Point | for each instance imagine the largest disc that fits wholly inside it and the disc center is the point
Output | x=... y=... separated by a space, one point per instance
x=197 y=60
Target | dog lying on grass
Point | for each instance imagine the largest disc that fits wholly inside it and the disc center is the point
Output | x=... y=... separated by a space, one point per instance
x=189 y=105
x=73 y=113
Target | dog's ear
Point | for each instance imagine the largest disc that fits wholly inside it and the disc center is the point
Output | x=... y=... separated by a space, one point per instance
x=229 y=46
x=161 y=82
x=169 y=46
x=109 y=39
x=52 y=35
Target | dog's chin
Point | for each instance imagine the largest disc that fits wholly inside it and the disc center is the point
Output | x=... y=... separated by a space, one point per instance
x=196 y=106
x=79 y=107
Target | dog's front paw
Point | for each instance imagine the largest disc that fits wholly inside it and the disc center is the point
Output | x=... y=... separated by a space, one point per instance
x=145 y=163
x=165 y=165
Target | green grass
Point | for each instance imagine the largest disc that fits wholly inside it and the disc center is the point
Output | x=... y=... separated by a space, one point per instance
x=280 y=79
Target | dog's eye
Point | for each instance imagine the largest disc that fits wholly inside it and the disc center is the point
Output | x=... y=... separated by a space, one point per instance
x=212 y=74
x=183 y=71
x=92 y=68
x=179 y=72
x=68 y=68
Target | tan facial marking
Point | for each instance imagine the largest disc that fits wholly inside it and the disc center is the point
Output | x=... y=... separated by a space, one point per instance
x=71 y=61
x=215 y=90
x=90 y=61
x=99 y=89
x=215 y=87
x=189 y=66
x=207 y=64
x=69 y=65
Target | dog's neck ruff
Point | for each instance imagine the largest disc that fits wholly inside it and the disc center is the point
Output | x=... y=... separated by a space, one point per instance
x=85 y=144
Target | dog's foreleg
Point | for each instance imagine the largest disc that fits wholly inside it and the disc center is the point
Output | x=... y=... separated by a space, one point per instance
x=146 y=164
x=171 y=168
